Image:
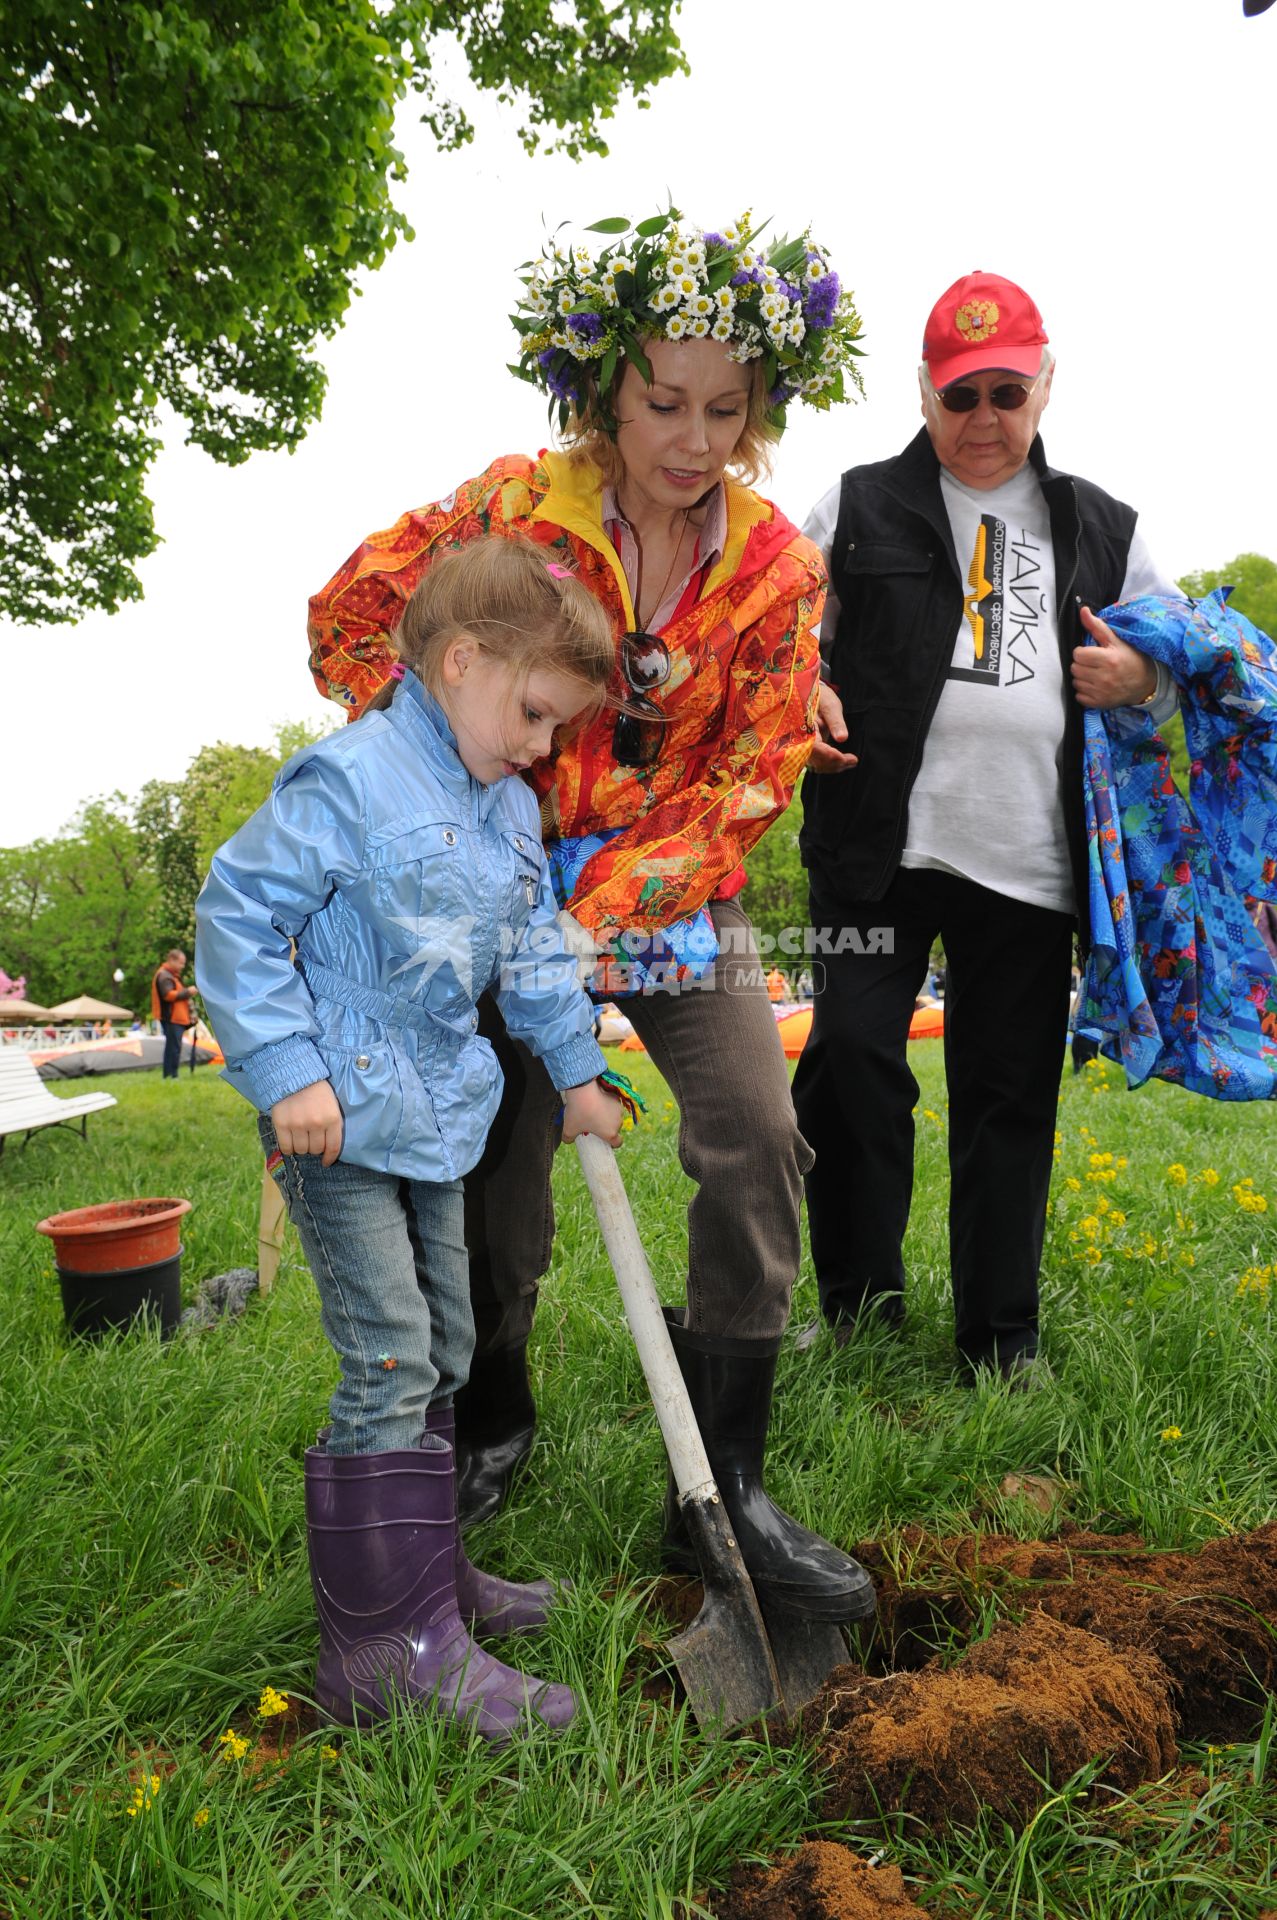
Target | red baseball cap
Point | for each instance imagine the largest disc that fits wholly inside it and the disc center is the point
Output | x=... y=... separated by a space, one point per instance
x=983 y=321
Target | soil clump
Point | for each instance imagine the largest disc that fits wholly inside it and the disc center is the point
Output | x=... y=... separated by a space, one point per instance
x=1017 y=1713
x=1209 y=1616
x=822 y=1881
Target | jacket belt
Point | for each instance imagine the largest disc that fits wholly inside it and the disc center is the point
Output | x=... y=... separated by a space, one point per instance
x=391 y=1009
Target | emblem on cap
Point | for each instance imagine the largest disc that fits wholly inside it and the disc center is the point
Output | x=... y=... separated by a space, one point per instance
x=977 y=320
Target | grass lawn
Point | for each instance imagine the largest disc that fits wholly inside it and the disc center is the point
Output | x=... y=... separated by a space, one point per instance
x=154 y=1561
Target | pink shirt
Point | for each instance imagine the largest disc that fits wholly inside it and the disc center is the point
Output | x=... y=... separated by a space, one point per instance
x=710 y=540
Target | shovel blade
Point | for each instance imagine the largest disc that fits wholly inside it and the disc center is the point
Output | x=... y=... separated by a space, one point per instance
x=724 y=1659
x=806 y=1652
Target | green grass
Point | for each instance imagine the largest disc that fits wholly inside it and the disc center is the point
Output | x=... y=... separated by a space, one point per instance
x=154 y=1570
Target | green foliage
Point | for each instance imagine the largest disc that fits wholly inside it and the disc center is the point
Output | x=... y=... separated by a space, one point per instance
x=776 y=897
x=74 y=909
x=117 y=887
x=191 y=191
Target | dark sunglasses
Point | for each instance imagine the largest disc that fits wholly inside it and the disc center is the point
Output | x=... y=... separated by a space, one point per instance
x=639 y=732
x=1007 y=399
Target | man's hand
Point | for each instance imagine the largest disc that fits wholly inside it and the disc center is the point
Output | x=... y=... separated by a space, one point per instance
x=309 y=1121
x=592 y=1109
x=1111 y=673
x=831 y=728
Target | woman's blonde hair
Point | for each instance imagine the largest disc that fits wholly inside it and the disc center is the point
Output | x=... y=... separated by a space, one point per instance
x=587 y=440
x=519 y=604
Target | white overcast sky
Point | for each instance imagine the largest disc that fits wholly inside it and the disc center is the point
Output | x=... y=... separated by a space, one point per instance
x=1113 y=156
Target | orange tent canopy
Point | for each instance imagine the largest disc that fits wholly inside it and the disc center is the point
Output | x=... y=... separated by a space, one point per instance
x=794 y=1024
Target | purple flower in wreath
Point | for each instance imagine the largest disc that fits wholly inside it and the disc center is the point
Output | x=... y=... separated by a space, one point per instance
x=587 y=326
x=781 y=395
x=713 y=240
x=790 y=291
x=747 y=277
x=821 y=302
x=559 y=383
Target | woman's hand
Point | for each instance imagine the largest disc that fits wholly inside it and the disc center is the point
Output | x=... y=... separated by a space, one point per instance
x=831 y=728
x=1111 y=673
x=309 y=1121
x=592 y=1109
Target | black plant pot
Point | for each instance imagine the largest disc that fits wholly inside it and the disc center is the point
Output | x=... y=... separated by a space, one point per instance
x=98 y=1303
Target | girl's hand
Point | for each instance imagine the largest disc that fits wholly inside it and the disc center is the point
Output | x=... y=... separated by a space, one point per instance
x=1111 y=673
x=309 y=1121
x=592 y=1109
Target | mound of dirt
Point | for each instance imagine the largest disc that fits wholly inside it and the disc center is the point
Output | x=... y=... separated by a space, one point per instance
x=1037 y=1699
x=1210 y=1617
x=822 y=1881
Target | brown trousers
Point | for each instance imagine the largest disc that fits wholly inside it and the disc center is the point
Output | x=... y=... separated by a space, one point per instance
x=718 y=1048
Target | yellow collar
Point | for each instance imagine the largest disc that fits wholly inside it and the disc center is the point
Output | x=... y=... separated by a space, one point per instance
x=574 y=501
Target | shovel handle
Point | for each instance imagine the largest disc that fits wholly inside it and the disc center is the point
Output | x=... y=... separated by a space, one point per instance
x=683 y=1442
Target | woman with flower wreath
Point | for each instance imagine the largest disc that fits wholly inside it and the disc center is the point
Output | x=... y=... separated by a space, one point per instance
x=670 y=359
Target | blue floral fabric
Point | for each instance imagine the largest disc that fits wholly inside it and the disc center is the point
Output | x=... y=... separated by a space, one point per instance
x=1179 y=982
x=639 y=962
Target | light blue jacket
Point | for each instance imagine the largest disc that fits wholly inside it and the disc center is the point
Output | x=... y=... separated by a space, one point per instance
x=409 y=889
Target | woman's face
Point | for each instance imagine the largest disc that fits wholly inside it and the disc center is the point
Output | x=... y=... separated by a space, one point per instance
x=676 y=436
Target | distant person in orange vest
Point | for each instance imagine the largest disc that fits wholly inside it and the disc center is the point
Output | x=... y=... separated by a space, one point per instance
x=777 y=985
x=171 y=1006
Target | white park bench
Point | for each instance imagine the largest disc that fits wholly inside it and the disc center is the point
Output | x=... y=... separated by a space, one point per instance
x=26 y=1103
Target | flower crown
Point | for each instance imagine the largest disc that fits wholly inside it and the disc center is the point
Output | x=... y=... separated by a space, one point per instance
x=581 y=316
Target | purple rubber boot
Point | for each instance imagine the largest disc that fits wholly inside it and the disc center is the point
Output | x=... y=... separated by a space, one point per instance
x=487 y=1604
x=382 y=1529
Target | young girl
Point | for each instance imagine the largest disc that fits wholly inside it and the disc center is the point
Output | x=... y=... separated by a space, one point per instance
x=402 y=860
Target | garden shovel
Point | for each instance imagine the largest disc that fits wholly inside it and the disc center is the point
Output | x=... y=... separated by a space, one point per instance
x=733 y=1667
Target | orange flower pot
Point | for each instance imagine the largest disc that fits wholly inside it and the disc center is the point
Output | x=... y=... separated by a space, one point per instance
x=116 y=1236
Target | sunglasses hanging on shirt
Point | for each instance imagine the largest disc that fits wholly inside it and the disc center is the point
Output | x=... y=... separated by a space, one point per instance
x=639 y=732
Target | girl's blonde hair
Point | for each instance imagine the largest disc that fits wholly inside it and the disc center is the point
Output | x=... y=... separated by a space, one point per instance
x=519 y=604
x=587 y=440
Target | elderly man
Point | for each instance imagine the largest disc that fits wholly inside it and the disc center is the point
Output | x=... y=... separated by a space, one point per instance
x=963 y=574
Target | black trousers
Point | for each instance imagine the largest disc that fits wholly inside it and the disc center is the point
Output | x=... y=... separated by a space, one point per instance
x=1006 y=1013
x=172 y=1048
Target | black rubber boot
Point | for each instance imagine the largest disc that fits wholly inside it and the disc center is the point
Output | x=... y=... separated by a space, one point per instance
x=730 y=1384
x=496 y=1422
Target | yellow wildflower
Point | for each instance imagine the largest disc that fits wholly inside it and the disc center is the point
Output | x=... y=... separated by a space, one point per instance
x=329 y=1753
x=1101 y=1159
x=1093 y=1255
x=201 y=1818
x=1255 y=1280
x=1187 y=1258
x=1177 y=1174
x=1073 y=1184
x=1116 y=1218
x=1171 y=1433
x=272 y=1702
x=1208 y=1177
x=144 y=1794
x=234 y=1746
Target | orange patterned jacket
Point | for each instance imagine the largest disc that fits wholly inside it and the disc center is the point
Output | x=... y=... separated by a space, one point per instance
x=740 y=701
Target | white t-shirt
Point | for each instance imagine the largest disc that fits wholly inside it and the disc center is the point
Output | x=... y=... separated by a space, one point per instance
x=988 y=802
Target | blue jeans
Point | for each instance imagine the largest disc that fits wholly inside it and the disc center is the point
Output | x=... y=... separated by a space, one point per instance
x=389 y=1259
x=173 y=1037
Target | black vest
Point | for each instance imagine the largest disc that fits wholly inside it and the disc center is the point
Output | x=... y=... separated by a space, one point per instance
x=896 y=575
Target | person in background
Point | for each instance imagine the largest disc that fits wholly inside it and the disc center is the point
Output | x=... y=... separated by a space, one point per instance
x=402 y=857
x=960 y=640
x=171 y=1006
